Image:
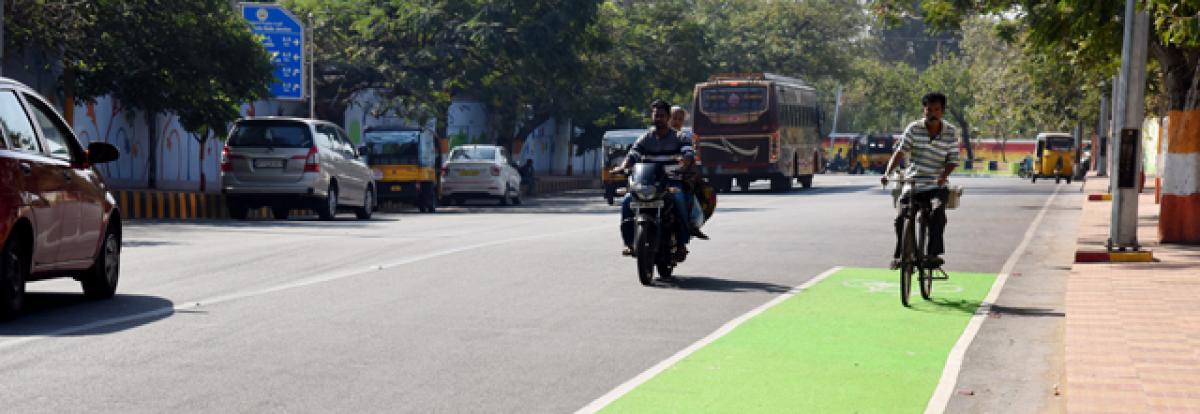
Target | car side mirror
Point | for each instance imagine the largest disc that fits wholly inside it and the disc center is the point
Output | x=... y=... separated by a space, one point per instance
x=102 y=152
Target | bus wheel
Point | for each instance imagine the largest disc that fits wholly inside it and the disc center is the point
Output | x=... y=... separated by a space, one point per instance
x=806 y=181
x=781 y=184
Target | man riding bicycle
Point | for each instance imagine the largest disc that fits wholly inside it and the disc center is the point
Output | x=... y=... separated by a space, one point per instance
x=931 y=146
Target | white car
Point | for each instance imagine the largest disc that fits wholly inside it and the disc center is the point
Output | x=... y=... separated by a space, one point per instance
x=480 y=171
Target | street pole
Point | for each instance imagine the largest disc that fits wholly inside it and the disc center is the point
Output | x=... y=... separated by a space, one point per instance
x=312 y=76
x=837 y=109
x=1 y=37
x=1100 y=149
x=1130 y=114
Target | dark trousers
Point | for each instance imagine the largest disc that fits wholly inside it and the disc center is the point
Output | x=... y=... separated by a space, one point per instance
x=682 y=234
x=937 y=218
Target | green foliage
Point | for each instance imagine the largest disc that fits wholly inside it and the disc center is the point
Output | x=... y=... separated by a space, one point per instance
x=195 y=58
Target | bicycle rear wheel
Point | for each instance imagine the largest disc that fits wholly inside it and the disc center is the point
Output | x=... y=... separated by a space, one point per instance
x=908 y=260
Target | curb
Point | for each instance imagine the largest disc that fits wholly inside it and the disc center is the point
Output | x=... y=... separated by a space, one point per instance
x=180 y=205
x=1143 y=256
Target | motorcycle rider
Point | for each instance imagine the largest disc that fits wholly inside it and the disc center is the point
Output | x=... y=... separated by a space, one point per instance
x=661 y=145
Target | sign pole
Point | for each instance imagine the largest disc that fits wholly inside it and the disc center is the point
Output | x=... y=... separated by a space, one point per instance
x=312 y=75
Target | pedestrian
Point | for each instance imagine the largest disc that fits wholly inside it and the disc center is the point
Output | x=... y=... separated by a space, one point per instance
x=527 y=177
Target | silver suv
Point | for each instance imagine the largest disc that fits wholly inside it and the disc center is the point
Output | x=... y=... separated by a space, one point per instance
x=294 y=163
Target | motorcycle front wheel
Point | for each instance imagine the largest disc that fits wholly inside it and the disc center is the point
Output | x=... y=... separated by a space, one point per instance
x=643 y=249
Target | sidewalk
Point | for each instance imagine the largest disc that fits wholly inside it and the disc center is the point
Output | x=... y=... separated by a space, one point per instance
x=1133 y=329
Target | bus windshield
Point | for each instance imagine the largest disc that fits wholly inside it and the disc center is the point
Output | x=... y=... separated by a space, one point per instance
x=727 y=100
x=392 y=147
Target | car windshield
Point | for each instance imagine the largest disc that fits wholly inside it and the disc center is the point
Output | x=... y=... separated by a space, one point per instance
x=473 y=154
x=392 y=147
x=271 y=134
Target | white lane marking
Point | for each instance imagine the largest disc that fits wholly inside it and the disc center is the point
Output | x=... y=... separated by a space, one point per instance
x=945 y=389
x=628 y=386
x=164 y=311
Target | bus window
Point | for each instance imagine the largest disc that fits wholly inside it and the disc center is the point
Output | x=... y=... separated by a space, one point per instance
x=725 y=100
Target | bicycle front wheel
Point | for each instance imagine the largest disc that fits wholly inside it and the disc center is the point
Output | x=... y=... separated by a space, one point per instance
x=908 y=260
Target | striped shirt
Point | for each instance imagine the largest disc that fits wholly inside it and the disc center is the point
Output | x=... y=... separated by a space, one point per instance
x=928 y=158
x=662 y=150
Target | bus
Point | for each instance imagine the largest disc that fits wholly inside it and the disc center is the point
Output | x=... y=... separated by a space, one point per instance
x=756 y=126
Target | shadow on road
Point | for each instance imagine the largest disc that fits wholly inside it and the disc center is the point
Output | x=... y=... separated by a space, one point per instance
x=712 y=284
x=999 y=311
x=66 y=314
x=943 y=305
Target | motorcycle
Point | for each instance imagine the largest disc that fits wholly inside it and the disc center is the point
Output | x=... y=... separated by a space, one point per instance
x=654 y=241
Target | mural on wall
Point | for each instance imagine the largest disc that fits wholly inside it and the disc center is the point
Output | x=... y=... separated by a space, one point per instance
x=106 y=120
x=179 y=161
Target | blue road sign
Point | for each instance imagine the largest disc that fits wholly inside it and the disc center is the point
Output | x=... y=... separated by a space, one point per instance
x=283 y=35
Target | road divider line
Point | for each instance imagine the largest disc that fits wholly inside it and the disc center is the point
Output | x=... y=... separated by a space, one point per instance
x=628 y=386
x=194 y=304
x=945 y=389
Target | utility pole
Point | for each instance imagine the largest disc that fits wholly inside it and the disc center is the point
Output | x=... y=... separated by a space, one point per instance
x=1129 y=117
x=837 y=109
x=1 y=37
x=1100 y=149
x=312 y=75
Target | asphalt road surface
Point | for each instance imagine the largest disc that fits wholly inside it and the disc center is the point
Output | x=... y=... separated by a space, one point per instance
x=498 y=309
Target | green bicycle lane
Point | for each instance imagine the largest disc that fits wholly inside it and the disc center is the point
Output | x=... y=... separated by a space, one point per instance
x=844 y=344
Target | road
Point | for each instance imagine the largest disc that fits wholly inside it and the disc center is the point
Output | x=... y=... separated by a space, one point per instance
x=497 y=309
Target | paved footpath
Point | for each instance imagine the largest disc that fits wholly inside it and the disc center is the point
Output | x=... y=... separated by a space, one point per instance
x=1133 y=330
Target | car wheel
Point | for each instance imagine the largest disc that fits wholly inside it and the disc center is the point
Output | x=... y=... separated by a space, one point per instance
x=13 y=272
x=328 y=207
x=281 y=213
x=368 y=207
x=100 y=282
x=504 y=198
x=238 y=211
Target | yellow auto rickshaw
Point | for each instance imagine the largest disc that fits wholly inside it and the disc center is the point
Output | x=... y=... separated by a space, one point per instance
x=871 y=153
x=1055 y=157
x=616 y=144
x=405 y=162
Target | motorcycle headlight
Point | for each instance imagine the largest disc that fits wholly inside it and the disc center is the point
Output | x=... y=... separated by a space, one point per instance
x=644 y=191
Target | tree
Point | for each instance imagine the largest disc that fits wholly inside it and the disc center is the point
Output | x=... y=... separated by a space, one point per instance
x=1090 y=33
x=196 y=59
x=951 y=75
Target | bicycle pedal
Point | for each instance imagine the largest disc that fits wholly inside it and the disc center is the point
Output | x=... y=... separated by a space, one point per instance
x=943 y=275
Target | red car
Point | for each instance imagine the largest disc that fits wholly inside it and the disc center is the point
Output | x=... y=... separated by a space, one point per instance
x=57 y=218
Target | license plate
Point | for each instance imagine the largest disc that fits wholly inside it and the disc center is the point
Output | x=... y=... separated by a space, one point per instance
x=468 y=173
x=646 y=204
x=396 y=188
x=268 y=163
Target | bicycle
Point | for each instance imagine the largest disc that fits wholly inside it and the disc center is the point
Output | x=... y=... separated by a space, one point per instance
x=913 y=244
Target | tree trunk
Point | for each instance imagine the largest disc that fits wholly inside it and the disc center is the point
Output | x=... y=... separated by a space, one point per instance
x=69 y=96
x=203 y=139
x=1179 y=218
x=966 y=137
x=151 y=150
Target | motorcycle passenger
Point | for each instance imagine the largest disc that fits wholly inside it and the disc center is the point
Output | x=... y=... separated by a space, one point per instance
x=678 y=116
x=660 y=145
